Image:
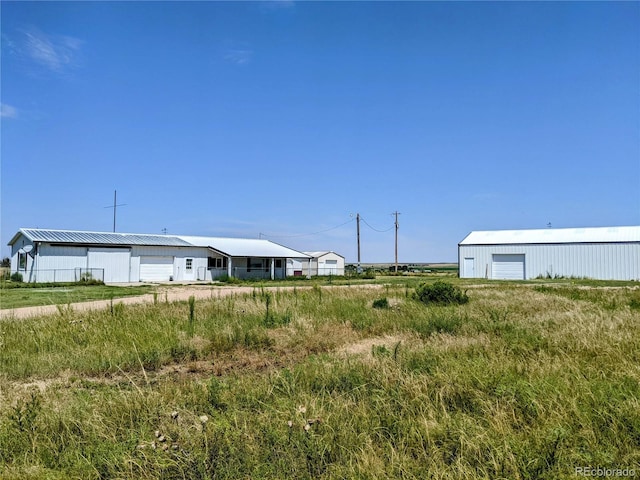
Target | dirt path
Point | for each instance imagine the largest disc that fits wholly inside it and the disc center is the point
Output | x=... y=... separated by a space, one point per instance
x=171 y=294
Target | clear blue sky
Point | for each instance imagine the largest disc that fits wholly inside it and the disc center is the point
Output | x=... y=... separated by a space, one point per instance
x=284 y=118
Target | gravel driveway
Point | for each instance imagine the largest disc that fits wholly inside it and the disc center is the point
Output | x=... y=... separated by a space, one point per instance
x=176 y=293
x=171 y=294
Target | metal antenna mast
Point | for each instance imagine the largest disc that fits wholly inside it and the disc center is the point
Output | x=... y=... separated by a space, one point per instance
x=115 y=206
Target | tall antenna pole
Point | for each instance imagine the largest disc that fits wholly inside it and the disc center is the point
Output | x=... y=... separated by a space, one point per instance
x=115 y=206
x=396 y=213
x=358 y=270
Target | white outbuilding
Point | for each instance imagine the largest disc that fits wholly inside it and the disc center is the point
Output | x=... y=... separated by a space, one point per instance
x=68 y=255
x=321 y=263
x=605 y=253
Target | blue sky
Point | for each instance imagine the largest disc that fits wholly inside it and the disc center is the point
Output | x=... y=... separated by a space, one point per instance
x=285 y=119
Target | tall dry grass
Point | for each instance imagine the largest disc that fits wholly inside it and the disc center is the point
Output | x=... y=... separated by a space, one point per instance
x=520 y=383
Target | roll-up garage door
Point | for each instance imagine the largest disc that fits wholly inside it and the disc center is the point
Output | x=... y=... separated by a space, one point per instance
x=156 y=269
x=330 y=267
x=507 y=267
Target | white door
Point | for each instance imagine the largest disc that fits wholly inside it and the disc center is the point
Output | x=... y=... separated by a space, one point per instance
x=156 y=269
x=114 y=261
x=507 y=267
x=468 y=268
x=189 y=269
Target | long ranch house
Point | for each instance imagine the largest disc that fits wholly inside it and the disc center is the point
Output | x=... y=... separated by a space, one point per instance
x=66 y=256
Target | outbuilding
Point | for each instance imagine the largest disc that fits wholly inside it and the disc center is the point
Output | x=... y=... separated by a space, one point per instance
x=606 y=253
x=321 y=263
x=69 y=255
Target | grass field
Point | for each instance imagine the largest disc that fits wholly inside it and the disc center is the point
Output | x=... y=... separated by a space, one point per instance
x=525 y=381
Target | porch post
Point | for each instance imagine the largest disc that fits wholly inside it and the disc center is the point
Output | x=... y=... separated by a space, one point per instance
x=229 y=267
x=272 y=268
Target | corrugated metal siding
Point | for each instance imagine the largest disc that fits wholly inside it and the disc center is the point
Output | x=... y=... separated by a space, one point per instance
x=599 y=261
x=116 y=263
x=66 y=257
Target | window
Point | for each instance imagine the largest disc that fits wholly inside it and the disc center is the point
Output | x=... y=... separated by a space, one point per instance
x=22 y=261
x=278 y=263
x=189 y=264
x=255 y=264
x=213 y=262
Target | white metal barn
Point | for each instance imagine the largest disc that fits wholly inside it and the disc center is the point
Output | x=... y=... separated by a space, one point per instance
x=68 y=256
x=322 y=263
x=605 y=253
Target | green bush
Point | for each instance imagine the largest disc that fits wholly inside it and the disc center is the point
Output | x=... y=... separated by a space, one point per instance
x=16 y=277
x=440 y=293
x=381 y=303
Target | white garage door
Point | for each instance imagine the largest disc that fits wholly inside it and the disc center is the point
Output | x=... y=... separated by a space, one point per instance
x=507 y=267
x=114 y=262
x=156 y=269
x=331 y=267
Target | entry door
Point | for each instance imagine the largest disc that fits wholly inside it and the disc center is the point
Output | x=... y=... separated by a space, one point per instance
x=507 y=267
x=189 y=269
x=469 y=269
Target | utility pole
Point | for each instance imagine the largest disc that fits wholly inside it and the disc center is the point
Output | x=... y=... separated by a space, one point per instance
x=359 y=269
x=396 y=213
x=114 y=206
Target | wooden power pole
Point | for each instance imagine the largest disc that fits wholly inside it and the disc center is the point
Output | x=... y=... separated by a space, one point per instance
x=396 y=213
x=358 y=269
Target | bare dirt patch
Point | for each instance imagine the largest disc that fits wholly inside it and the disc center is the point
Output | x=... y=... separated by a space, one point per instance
x=365 y=346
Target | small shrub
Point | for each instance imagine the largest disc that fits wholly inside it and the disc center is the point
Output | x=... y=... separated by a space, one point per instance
x=381 y=303
x=16 y=277
x=440 y=293
x=369 y=274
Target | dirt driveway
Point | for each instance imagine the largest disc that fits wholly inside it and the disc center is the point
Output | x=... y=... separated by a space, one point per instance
x=171 y=294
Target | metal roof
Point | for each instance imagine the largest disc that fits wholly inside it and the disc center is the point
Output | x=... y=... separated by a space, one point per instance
x=98 y=238
x=554 y=235
x=233 y=247
x=244 y=247
x=322 y=253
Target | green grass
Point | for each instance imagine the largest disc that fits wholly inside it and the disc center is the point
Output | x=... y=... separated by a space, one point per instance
x=522 y=382
x=65 y=294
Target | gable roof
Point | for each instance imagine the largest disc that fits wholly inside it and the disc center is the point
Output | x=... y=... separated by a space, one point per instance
x=322 y=253
x=554 y=235
x=244 y=247
x=98 y=238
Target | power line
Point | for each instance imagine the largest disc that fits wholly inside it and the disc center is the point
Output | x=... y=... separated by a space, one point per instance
x=306 y=234
x=375 y=229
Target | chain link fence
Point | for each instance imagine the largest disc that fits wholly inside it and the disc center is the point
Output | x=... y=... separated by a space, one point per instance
x=63 y=275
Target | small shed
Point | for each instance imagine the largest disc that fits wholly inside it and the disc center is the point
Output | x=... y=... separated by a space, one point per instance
x=321 y=263
x=606 y=253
